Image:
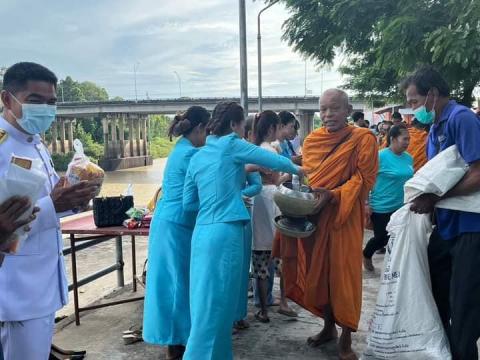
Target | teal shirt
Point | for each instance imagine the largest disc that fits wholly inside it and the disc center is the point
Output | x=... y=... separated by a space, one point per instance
x=170 y=206
x=216 y=177
x=393 y=172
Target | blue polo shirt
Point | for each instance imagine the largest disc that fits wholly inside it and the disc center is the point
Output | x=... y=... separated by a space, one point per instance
x=459 y=126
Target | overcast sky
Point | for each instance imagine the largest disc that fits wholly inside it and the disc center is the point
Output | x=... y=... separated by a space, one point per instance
x=101 y=40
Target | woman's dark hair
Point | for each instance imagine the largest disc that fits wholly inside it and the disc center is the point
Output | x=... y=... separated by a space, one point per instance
x=424 y=79
x=262 y=124
x=297 y=125
x=224 y=116
x=395 y=132
x=286 y=117
x=184 y=123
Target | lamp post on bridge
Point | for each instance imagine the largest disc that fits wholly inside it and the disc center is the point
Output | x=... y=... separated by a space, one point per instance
x=179 y=83
x=259 y=56
x=135 y=68
x=243 y=56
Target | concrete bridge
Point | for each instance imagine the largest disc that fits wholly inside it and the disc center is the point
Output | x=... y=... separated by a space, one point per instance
x=116 y=116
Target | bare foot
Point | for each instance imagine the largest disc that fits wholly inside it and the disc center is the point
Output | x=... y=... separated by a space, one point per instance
x=175 y=352
x=345 y=351
x=368 y=264
x=287 y=311
x=323 y=337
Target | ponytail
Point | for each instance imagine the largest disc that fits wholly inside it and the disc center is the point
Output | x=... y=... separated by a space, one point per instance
x=184 y=123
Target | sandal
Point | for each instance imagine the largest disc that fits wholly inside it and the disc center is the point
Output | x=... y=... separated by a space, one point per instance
x=262 y=317
x=241 y=325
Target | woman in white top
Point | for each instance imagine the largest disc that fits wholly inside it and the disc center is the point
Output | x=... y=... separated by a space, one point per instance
x=264 y=212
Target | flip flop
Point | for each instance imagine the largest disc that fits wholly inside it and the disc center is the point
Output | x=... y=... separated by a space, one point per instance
x=289 y=313
x=262 y=318
x=132 y=338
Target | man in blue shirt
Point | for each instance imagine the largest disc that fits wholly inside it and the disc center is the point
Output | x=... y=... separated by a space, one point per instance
x=454 y=249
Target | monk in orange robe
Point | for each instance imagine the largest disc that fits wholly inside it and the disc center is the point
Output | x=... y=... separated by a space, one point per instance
x=323 y=273
x=418 y=144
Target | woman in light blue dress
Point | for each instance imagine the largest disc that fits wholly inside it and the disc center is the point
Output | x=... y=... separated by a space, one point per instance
x=166 y=319
x=213 y=185
x=253 y=188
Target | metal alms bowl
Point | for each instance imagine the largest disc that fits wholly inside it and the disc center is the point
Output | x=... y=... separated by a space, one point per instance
x=296 y=229
x=294 y=203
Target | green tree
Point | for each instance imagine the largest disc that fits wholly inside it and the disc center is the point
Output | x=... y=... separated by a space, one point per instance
x=71 y=90
x=159 y=125
x=384 y=40
x=92 y=92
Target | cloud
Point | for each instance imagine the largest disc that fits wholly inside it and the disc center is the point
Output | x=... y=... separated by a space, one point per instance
x=101 y=41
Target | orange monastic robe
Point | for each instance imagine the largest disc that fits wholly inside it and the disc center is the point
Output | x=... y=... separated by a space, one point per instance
x=418 y=147
x=326 y=268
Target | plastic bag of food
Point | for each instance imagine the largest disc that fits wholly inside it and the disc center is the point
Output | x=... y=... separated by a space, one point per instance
x=82 y=169
x=24 y=177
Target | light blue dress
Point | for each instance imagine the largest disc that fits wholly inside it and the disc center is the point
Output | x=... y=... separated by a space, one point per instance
x=166 y=319
x=253 y=188
x=215 y=180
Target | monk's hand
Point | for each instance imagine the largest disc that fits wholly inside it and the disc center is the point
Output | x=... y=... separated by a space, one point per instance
x=297 y=159
x=322 y=197
x=301 y=172
x=424 y=204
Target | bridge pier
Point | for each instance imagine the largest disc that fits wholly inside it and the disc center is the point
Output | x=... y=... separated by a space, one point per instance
x=120 y=153
x=305 y=118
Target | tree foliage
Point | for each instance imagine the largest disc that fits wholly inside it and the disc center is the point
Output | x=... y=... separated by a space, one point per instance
x=71 y=90
x=385 y=40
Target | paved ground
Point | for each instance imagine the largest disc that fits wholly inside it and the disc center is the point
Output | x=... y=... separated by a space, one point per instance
x=101 y=330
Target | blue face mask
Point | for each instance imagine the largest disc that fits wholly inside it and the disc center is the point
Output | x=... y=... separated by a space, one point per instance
x=423 y=115
x=36 y=118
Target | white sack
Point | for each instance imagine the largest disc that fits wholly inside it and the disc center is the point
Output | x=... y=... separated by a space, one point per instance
x=438 y=176
x=406 y=324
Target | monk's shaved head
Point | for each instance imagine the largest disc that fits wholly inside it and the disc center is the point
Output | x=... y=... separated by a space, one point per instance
x=334 y=109
x=341 y=95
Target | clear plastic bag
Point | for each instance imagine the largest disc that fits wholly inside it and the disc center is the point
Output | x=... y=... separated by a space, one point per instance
x=82 y=169
x=24 y=177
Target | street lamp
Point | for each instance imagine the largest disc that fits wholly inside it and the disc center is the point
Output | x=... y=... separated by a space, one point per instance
x=242 y=18
x=179 y=83
x=259 y=47
x=135 y=68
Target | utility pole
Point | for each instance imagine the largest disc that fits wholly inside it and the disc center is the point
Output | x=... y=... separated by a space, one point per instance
x=305 y=77
x=259 y=56
x=243 y=57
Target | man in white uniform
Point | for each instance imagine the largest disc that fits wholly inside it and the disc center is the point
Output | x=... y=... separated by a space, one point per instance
x=33 y=282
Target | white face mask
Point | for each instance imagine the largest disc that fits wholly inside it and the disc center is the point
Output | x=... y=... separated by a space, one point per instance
x=36 y=118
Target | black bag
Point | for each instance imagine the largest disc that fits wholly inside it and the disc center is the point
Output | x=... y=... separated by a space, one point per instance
x=110 y=211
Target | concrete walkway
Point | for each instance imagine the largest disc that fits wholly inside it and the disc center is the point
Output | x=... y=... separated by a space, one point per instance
x=100 y=332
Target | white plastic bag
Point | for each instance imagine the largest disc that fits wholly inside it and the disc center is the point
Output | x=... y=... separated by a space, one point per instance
x=406 y=324
x=82 y=169
x=438 y=176
x=26 y=181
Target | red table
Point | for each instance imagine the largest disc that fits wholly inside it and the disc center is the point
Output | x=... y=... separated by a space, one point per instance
x=91 y=235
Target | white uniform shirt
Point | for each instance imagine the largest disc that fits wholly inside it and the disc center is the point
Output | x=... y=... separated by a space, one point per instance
x=33 y=282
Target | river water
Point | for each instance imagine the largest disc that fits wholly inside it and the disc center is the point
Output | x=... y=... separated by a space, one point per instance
x=145 y=181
